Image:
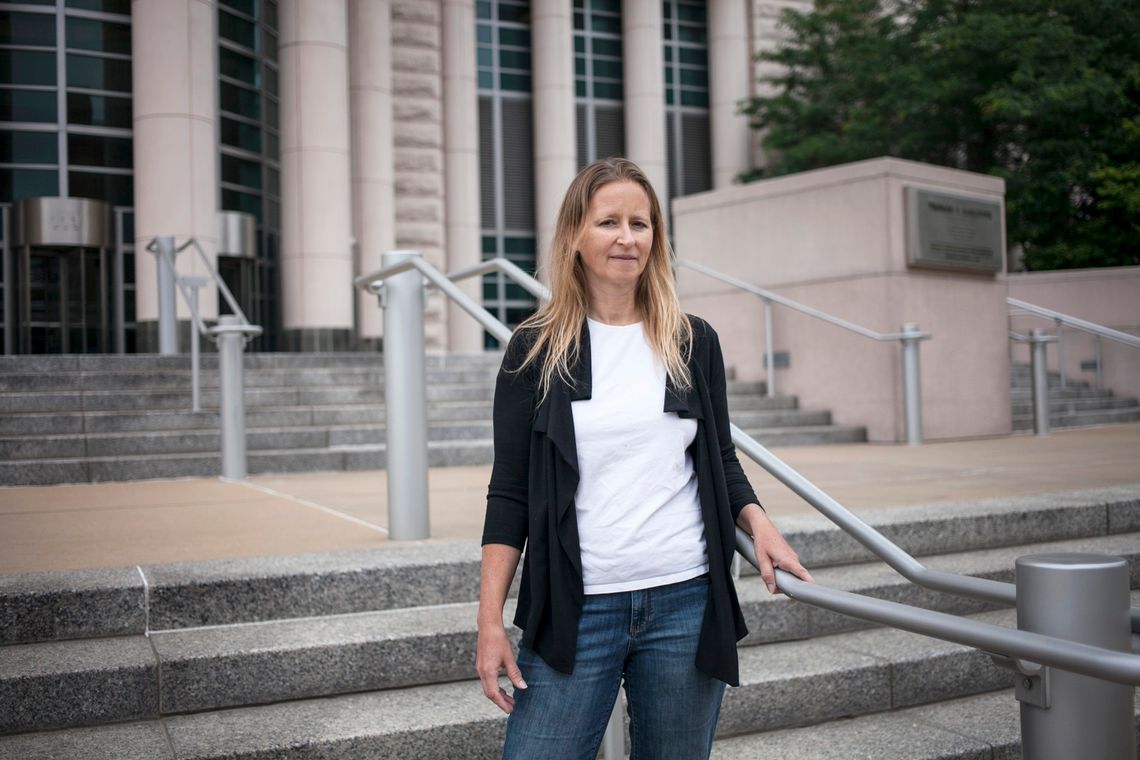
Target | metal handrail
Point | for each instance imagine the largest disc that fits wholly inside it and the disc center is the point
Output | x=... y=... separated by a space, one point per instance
x=249 y=330
x=510 y=269
x=768 y=295
x=1108 y=664
x=1075 y=322
x=879 y=545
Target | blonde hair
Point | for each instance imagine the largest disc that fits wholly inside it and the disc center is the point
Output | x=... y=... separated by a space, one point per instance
x=557 y=325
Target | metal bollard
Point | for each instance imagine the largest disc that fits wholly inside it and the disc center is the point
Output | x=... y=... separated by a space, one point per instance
x=231 y=344
x=165 y=254
x=405 y=401
x=912 y=383
x=1083 y=598
x=1038 y=341
x=769 y=352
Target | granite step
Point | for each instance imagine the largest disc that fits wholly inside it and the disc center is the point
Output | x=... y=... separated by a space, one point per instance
x=808 y=435
x=1081 y=418
x=1077 y=404
x=114 y=602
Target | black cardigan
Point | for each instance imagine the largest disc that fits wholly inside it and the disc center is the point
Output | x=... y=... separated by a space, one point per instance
x=530 y=500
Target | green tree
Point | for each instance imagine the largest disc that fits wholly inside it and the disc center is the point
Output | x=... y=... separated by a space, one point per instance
x=1043 y=93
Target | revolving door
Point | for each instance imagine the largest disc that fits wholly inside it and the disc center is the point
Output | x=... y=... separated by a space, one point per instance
x=63 y=294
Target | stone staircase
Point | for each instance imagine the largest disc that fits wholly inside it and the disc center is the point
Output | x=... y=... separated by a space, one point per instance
x=1078 y=404
x=370 y=654
x=77 y=419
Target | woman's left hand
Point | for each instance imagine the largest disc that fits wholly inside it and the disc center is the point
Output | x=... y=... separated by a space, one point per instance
x=772 y=551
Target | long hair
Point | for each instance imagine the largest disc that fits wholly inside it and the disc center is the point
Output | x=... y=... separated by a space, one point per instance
x=558 y=323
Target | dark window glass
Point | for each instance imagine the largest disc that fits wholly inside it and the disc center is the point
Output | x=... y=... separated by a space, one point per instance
x=515 y=82
x=115 y=189
x=694 y=56
x=518 y=13
x=273 y=182
x=98 y=110
x=237 y=66
x=240 y=101
x=514 y=59
x=607 y=24
x=579 y=21
x=483 y=9
x=483 y=34
x=273 y=209
x=232 y=200
x=27 y=29
x=694 y=13
x=603 y=46
x=129 y=230
x=691 y=34
x=607 y=91
x=609 y=6
x=29 y=147
x=694 y=98
x=272 y=114
x=248 y=7
x=28 y=105
x=241 y=135
x=27 y=67
x=519 y=245
x=484 y=57
x=239 y=171
x=608 y=69
x=92 y=150
x=98 y=73
x=486 y=80
x=694 y=78
x=237 y=30
x=122 y=7
x=269 y=45
x=103 y=36
x=270 y=81
x=515 y=37
x=580 y=89
x=271 y=14
x=579 y=66
x=272 y=146
x=579 y=44
x=16 y=184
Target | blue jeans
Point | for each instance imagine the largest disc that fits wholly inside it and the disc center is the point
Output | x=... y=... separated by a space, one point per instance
x=649 y=637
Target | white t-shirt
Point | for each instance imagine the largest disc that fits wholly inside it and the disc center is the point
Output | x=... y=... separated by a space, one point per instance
x=639 y=514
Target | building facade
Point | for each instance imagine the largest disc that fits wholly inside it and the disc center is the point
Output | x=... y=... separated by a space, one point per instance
x=295 y=141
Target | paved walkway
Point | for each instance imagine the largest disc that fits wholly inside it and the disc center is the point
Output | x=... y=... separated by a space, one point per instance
x=115 y=524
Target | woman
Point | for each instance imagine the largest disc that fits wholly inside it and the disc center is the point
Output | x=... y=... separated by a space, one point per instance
x=615 y=469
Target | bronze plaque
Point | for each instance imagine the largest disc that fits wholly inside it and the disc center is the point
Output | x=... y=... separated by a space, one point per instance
x=956 y=232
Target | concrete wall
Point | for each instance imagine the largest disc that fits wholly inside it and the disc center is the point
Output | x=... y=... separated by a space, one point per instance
x=1109 y=297
x=835 y=240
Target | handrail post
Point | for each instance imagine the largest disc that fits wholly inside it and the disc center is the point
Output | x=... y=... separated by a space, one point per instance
x=231 y=344
x=1038 y=341
x=1060 y=352
x=912 y=383
x=405 y=401
x=165 y=252
x=1082 y=598
x=194 y=283
x=769 y=362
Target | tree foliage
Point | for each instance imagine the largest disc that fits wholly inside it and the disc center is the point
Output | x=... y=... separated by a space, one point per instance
x=1043 y=93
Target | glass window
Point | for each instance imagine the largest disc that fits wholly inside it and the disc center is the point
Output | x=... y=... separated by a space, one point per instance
x=28 y=105
x=248 y=7
x=237 y=66
x=98 y=73
x=608 y=69
x=233 y=200
x=102 y=36
x=514 y=59
x=607 y=91
x=241 y=135
x=115 y=189
x=272 y=114
x=237 y=30
x=486 y=80
x=27 y=67
x=694 y=56
x=240 y=101
x=695 y=99
x=605 y=46
x=273 y=182
x=29 y=147
x=515 y=82
x=518 y=13
x=269 y=45
x=95 y=150
x=270 y=9
x=607 y=24
x=16 y=184
x=27 y=29
x=122 y=7
x=98 y=110
x=270 y=81
x=239 y=171
x=514 y=37
x=694 y=78
x=483 y=34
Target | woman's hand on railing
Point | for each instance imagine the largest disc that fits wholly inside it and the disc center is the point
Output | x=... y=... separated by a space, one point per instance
x=492 y=655
x=772 y=551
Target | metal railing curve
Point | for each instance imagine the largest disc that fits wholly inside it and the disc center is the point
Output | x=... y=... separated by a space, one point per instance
x=908 y=339
x=1029 y=653
x=231 y=334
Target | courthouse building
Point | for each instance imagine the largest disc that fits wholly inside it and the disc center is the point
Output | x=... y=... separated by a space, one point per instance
x=298 y=140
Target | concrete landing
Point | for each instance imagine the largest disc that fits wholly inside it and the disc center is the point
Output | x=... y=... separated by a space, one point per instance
x=117 y=524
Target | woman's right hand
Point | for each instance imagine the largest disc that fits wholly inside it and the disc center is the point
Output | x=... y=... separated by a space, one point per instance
x=493 y=654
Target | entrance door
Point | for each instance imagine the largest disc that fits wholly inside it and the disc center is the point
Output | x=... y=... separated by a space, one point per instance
x=63 y=301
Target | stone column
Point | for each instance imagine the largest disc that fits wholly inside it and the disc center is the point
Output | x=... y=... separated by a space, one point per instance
x=555 y=151
x=316 y=214
x=461 y=165
x=175 y=102
x=644 y=72
x=373 y=182
x=730 y=67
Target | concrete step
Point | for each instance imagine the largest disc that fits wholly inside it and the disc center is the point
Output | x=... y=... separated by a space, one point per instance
x=114 y=602
x=978 y=727
x=808 y=435
x=1025 y=394
x=1023 y=407
x=1081 y=418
